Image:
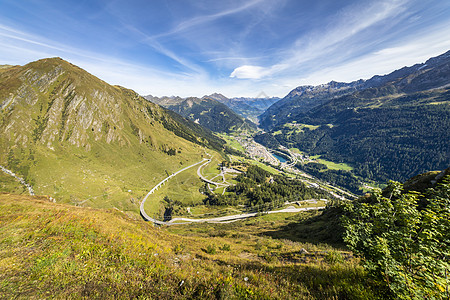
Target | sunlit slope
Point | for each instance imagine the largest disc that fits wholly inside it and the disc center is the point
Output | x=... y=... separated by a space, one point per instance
x=57 y=251
x=83 y=141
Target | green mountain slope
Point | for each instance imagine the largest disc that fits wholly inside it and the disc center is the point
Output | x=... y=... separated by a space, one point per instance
x=207 y=112
x=395 y=128
x=303 y=99
x=85 y=142
x=395 y=140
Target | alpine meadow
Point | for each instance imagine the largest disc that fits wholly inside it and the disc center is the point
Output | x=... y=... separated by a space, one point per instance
x=225 y=150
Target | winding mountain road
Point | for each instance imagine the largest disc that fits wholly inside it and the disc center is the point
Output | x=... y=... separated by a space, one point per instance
x=224 y=219
x=207 y=180
x=156 y=187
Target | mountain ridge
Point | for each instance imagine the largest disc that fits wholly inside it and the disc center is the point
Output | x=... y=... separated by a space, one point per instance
x=205 y=111
x=394 y=128
x=62 y=128
x=419 y=77
x=247 y=107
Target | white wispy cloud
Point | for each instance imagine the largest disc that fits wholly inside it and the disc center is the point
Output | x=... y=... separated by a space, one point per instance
x=42 y=47
x=345 y=25
x=209 y=53
x=405 y=53
x=21 y=47
x=153 y=43
x=249 y=72
x=201 y=20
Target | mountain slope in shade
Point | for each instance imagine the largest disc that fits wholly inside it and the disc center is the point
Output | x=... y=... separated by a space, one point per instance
x=393 y=127
x=302 y=99
x=205 y=111
x=420 y=77
x=81 y=140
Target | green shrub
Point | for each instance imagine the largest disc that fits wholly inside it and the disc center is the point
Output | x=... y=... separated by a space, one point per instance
x=226 y=247
x=333 y=257
x=404 y=239
x=211 y=249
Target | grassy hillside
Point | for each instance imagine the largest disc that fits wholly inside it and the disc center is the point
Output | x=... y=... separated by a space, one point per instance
x=10 y=184
x=58 y=251
x=84 y=142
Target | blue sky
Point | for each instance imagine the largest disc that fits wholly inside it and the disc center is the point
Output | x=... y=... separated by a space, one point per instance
x=237 y=48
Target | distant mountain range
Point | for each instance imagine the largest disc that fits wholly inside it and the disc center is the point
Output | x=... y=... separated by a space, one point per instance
x=420 y=77
x=250 y=108
x=388 y=127
x=206 y=111
x=77 y=138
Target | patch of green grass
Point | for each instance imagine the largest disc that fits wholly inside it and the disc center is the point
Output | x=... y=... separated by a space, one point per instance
x=277 y=132
x=183 y=187
x=212 y=169
x=266 y=167
x=335 y=166
x=11 y=185
x=319 y=203
x=219 y=190
x=201 y=210
x=231 y=141
x=332 y=165
x=296 y=150
x=296 y=128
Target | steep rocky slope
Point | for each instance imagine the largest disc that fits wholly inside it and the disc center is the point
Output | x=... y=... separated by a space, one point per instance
x=420 y=77
x=81 y=140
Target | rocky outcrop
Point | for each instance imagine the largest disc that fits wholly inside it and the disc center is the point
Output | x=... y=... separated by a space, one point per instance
x=53 y=103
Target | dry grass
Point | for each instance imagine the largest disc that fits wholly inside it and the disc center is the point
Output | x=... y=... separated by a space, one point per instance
x=59 y=251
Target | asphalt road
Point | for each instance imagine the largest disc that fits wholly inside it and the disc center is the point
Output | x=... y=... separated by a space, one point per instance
x=224 y=219
x=156 y=187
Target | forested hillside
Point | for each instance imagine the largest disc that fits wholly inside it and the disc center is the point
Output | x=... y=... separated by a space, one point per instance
x=394 y=129
x=205 y=111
